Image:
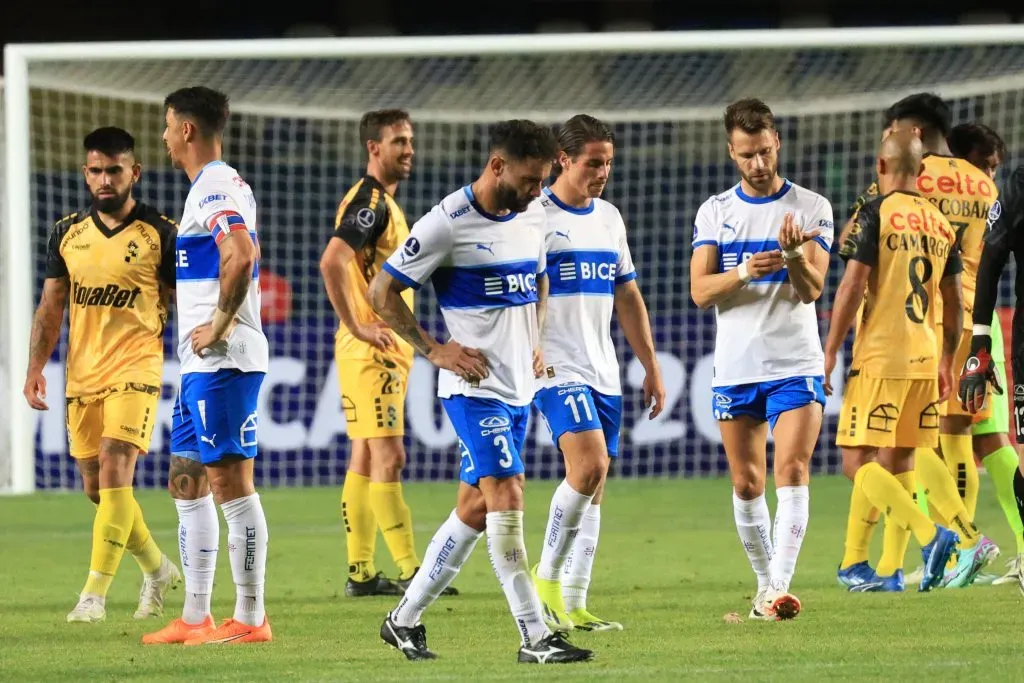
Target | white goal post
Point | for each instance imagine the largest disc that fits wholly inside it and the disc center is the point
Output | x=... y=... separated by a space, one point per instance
x=664 y=91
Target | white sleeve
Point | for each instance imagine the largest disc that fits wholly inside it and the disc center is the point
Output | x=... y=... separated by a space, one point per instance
x=217 y=207
x=705 y=230
x=624 y=268
x=821 y=219
x=428 y=245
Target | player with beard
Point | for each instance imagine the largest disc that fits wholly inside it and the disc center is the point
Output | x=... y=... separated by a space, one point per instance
x=373 y=366
x=483 y=249
x=113 y=265
x=760 y=253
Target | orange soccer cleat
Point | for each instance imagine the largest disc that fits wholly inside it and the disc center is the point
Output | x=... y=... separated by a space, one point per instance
x=178 y=632
x=232 y=632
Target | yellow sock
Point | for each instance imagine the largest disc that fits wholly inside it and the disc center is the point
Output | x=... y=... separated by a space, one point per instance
x=142 y=546
x=860 y=524
x=885 y=492
x=896 y=537
x=395 y=521
x=958 y=452
x=360 y=526
x=942 y=494
x=110 y=529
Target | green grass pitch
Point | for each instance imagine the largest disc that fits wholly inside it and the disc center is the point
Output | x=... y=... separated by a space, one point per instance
x=669 y=566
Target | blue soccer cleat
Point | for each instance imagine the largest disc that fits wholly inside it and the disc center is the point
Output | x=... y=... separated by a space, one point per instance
x=855 y=575
x=935 y=556
x=883 y=584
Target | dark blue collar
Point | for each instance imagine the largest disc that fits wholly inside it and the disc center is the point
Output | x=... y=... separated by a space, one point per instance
x=779 y=194
x=468 y=190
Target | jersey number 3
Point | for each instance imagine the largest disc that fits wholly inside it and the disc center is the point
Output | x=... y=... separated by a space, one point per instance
x=917 y=301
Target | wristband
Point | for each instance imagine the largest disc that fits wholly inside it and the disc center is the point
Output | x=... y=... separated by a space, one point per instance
x=743 y=274
x=983 y=330
x=221 y=324
x=790 y=254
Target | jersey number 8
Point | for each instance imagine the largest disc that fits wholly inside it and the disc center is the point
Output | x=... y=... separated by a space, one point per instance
x=917 y=301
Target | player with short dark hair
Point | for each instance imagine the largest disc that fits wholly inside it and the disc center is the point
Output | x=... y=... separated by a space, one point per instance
x=373 y=366
x=482 y=247
x=113 y=266
x=760 y=253
x=591 y=275
x=224 y=358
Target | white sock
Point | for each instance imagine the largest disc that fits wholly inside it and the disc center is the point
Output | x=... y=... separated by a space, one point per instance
x=507 y=549
x=447 y=551
x=198 y=540
x=791 y=517
x=577 y=569
x=567 y=509
x=247 y=550
x=753 y=522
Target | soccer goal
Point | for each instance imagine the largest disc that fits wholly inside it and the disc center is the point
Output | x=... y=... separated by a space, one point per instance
x=293 y=135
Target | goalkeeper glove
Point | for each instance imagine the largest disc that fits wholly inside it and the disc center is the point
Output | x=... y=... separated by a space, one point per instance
x=978 y=371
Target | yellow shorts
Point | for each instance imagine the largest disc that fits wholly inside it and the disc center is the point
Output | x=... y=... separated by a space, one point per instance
x=126 y=413
x=952 y=406
x=889 y=413
x=373 y=394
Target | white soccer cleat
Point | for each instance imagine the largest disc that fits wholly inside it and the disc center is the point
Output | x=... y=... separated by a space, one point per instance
x=89 y=610
x=914 y=577
x=782 y=605
x=1015 y=571
x=760 y=610
x=151 y=597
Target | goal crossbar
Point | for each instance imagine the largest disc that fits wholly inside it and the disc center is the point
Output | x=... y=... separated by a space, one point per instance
x=17 y=263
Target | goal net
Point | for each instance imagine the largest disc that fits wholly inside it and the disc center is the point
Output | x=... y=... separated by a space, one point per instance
x=293 y=136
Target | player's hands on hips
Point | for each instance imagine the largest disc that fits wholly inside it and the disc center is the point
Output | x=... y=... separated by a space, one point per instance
x=203 y=338
x=538 y=363
x=35 y=391
x=654 y=393
x=376 y=334
x=791 y=236
x=830 y=366
x=977 y=372
x=764 y=263
x=467 y=363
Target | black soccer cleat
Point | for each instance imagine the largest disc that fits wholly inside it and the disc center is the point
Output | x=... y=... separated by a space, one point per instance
x=378 y=585
x=554 y=648
x=411 y=641
x=403 y=585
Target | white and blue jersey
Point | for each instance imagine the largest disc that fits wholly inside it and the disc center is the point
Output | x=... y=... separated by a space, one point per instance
x=215 y=413
x=766 y=336
x=484 y=270
x=588 y=257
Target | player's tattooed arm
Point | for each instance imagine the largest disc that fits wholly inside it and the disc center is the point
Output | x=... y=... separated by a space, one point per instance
x=237 y=258
x=46 y=323
x=385 y=299
x=186 y=479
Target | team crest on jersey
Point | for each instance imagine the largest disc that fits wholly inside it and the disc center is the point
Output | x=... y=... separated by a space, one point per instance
x=131 y=254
